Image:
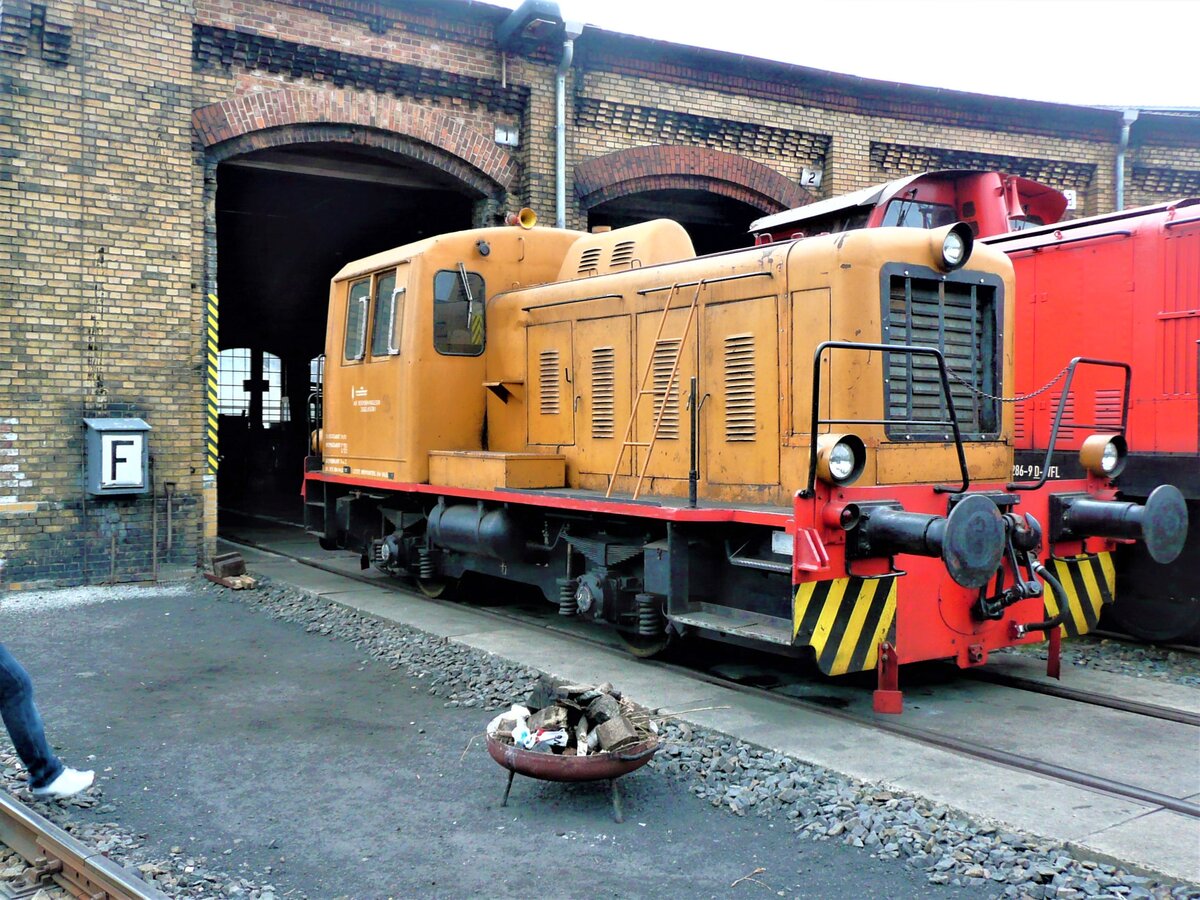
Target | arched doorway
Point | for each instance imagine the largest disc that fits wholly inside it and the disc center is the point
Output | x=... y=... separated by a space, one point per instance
x=713 y=222
x=296 y=188
x=287 y=219
x=713 y=194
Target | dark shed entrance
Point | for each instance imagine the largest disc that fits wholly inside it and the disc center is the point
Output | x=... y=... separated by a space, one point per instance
x=287 y=219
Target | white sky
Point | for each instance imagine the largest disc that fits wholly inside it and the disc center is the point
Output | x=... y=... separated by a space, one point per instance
x=1088 y=52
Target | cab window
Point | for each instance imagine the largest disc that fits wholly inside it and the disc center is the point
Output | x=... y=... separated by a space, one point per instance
x=458 y=323
x=918 y=214
x=389 y=304
x=357 y=301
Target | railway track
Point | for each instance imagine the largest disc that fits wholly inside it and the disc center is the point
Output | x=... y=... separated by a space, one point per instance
x=838 y=708
x=1092 y=698
x=55 y=857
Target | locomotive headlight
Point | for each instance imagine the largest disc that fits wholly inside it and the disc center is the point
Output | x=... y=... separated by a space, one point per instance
x=952 y=245
x=840 y=458
x=1104 y=454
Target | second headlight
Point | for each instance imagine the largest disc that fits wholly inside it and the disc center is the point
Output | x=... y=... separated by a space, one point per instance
x=1104 y=455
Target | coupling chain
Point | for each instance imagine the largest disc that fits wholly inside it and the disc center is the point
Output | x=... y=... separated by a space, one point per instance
x=1020 y=397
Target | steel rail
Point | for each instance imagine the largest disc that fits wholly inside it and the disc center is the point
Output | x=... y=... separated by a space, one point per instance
x=1130 y=640
x=1107 y=701
x=53 y=854
x=959 y=746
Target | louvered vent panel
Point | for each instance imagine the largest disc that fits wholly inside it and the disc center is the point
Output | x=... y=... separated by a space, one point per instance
x=589 y=260
x=604 y=370
x=1019 y=422
x=622 y=254
x=958 y=319
x=548 y=379
x=1064 y=432
x=665 y=353
x=741 y=419
x=1108 y=409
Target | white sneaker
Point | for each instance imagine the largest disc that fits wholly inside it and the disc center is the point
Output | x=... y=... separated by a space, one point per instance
x=67 y=784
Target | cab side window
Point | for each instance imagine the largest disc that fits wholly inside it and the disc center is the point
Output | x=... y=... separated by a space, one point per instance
x=357 y=301
x=458 y=322
x=389 y=304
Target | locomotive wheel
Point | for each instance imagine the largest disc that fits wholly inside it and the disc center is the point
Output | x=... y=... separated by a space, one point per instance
x=434 y=588
x=644 y=647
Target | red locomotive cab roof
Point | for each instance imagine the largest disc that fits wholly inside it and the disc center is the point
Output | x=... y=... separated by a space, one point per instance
x=992 y=202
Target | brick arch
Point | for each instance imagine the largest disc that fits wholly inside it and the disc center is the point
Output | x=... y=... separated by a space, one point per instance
x=659 y=167
x=270 y=118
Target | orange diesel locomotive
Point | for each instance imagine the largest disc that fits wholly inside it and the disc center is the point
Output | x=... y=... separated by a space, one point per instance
x=795 y=446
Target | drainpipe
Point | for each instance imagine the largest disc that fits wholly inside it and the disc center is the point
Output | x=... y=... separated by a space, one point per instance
x=1128 y=117
x=572 y=30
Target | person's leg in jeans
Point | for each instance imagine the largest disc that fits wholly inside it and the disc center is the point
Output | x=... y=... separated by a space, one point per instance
x=24 y=724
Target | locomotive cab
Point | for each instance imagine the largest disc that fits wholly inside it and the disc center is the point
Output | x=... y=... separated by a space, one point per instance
x=405 y=348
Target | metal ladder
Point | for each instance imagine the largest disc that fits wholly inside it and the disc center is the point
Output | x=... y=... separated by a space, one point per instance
x=643 y=390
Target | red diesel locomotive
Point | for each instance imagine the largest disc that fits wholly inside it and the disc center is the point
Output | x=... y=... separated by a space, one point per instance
x=1125 y=285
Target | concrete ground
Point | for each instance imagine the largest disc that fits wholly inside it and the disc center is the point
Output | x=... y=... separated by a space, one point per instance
x=289 y=757
x=1100 y=826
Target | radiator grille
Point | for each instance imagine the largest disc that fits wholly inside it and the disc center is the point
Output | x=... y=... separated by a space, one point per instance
x=958 y=318
x=1109 y=409
x=741 y=419
x=548 y=382
x=604 y=368
x=665 y=354
x=1064 y=431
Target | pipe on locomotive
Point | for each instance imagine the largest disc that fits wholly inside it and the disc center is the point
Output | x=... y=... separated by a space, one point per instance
x=1060 y=596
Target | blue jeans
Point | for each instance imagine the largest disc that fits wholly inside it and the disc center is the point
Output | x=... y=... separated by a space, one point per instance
x=23 y=722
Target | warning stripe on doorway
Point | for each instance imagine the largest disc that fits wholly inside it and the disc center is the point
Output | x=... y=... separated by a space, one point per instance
x=211 y=392
x=1090 y=583
x=844 y=620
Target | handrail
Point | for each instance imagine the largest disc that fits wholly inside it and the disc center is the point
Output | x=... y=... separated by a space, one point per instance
x=707 y=281
x=1074 y=240
x=1062 y=405
x=909 y=350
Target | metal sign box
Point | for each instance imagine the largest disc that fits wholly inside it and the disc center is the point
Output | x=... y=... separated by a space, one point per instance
x=117 y=457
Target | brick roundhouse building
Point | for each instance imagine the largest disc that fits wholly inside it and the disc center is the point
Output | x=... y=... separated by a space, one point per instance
x=180 y=180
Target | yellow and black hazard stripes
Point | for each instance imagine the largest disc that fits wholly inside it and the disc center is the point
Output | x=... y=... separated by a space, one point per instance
x=1089 y=581
x=844 y=620
x=211 y=392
